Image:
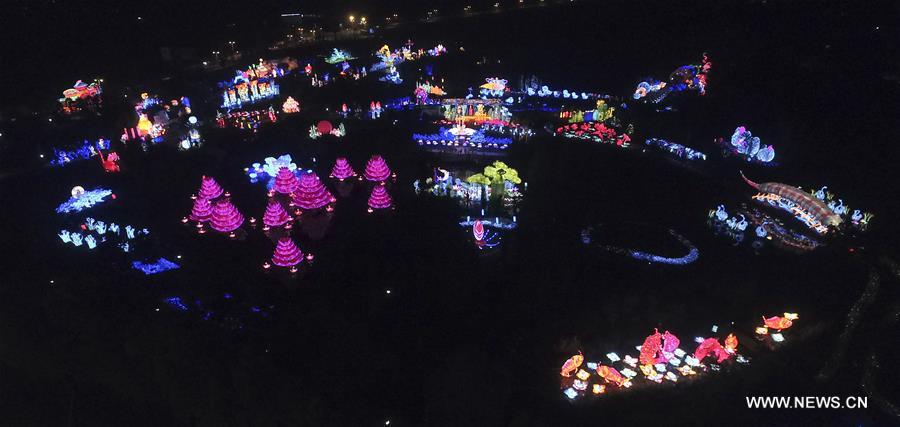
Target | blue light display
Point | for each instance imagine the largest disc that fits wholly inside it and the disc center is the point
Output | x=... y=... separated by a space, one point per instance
x=85 y=200
x=691 y=256
x=177 y=303
x=158 y=266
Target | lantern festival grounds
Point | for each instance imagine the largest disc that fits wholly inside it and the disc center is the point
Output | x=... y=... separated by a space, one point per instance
x=391 y=230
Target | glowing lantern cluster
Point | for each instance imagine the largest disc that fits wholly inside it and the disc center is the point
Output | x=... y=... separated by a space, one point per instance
x=225 y=217
x=377 y=169
x=311 y=194
x=379 y=199
x=290 y=106
x=285 y=181
x=571 y=365
x=202 y=210
x=777 y=323
x=287 y=254
x=209 y=188
x=711 y=346
x=661 y=359
x=275 y=215
x=595 y=131
x=342 y=169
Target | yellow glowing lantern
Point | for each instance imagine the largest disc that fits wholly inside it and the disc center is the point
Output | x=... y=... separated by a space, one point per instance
x=686 y=370
x=144 y=125
x=731 y=343
x=583 y=375
x=598 y=389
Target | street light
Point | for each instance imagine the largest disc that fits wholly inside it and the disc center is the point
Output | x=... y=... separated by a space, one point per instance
x=351 y=18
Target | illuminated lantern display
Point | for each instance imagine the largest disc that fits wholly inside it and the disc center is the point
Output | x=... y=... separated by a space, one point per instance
x=651 y=348
x=731 y=343
x=670 y=344
x=484 y=238
x=285 y=181
x=779 y=323
x=275 y=215
x=478 y=230
x=287 y=254
x=311 y=194
x=202 y=210
x=610 y=374
x=209 y=188
x=225 y=217
x=377 y=169
x=110 y=162
x=342 y=169
x=804 y=206
x=379 y=199
x=290 y=106
x=324 y=127
x=144 y=125
x=82 y=199
x=571 y=365
x=711 y=346
x=743 y=143
x=661 y=360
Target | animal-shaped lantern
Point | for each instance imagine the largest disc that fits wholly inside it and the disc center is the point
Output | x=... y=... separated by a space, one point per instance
x=611 y=375
x=711 y=346
x=572 y=364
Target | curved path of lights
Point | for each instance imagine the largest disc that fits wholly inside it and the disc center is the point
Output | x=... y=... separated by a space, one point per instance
x=691 y=256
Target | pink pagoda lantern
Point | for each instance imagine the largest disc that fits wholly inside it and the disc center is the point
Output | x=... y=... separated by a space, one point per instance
x=287 y=254
x=379 y=199
x=377 y=169
x=311 y=194
x=342 y=169
x=225 y=217
x=285 y=181
x=275 y=215
x=202 y=210
x=209 y=188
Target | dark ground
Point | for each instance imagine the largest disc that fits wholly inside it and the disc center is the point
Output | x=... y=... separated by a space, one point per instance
x=465 y=339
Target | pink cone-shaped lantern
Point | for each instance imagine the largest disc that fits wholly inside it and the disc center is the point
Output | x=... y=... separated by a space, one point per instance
x=287 y=254
x=377 y=169
x=285 y=181
x=311 y=194
x=209 y=188
x=380 y=199
x=342 y=169
x=202 y=210
x=225 y=217
x=275 y=215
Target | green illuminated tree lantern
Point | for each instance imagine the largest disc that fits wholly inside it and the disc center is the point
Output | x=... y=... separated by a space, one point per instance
x=499 y=172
